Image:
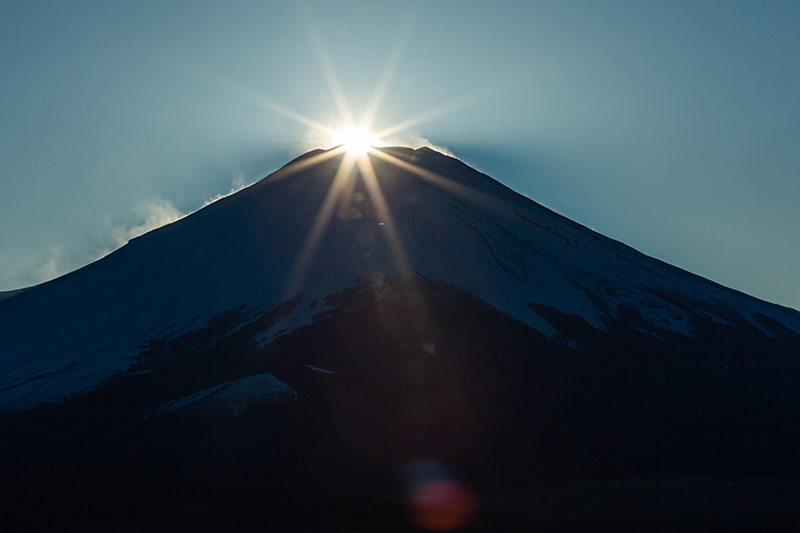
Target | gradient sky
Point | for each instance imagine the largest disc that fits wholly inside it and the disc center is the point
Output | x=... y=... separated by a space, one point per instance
x=671 y=126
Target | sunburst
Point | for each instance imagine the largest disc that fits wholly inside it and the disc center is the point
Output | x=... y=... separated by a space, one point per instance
x=355 y=142
x=356 y=162
x=356 y=145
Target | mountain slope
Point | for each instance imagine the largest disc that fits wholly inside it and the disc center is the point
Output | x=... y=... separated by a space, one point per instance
x=471 y=334
x=239 y=253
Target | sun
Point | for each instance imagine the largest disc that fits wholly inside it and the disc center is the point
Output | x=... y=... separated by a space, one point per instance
x=355 y=140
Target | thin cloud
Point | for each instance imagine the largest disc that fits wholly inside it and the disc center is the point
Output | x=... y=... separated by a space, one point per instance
x=414 y=140
x=156 y=213
x=237 y=185
x=18 y=270
x=29 y=269
x=53 y=266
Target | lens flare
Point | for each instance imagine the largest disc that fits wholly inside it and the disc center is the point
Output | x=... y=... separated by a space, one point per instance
x=437 y=501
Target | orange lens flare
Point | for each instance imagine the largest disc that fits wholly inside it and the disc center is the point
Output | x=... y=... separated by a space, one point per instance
x=437 y=501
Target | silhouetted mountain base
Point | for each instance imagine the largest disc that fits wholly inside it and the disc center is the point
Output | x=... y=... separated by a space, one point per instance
x=394 y=375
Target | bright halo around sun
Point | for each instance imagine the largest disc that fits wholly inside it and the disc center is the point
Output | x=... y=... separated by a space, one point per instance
x=355 y=140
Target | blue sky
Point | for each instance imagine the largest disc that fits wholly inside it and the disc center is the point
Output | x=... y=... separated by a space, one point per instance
x=671 y=126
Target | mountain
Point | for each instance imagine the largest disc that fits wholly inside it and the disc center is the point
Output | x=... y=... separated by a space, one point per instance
x=326 y=351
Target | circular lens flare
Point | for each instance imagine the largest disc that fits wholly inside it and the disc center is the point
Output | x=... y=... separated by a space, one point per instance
x=437 y=501
x=355 y=140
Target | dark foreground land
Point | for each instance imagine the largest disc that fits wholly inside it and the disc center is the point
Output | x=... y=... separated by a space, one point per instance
x=106 y=501
x=545 y=437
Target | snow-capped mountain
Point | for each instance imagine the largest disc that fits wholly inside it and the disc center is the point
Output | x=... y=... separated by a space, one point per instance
x=464 y=231
x=458 y=320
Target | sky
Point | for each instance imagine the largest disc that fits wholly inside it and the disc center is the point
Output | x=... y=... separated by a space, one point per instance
x=671 y=126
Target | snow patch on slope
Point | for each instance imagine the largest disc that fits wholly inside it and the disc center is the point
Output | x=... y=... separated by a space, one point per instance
x=302 y=315
x=318 y=370
x=56 y=375
x=231 y=397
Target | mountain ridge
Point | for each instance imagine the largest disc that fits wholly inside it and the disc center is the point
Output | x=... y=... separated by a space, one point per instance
x=537 y=256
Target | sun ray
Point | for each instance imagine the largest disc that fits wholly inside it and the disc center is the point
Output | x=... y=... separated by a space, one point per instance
x=347 y=199
x=353 y=164
x=371 y=111
x=446 y=183
x=343 y=174
x=341 y=190
x=374 y=104
x=254 y=97
x=382 y=209
x=246 y=94
x=327 y=66
x=307 y=162
x=428 y=115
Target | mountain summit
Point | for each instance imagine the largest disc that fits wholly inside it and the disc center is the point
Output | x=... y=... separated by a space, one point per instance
x=329 y=333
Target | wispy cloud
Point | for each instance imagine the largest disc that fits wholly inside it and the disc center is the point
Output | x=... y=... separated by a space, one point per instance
x=20 y=269
x=237 y=185
x=156 y=212
x=32 y=268
x=414 y=140
x=53 y=266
